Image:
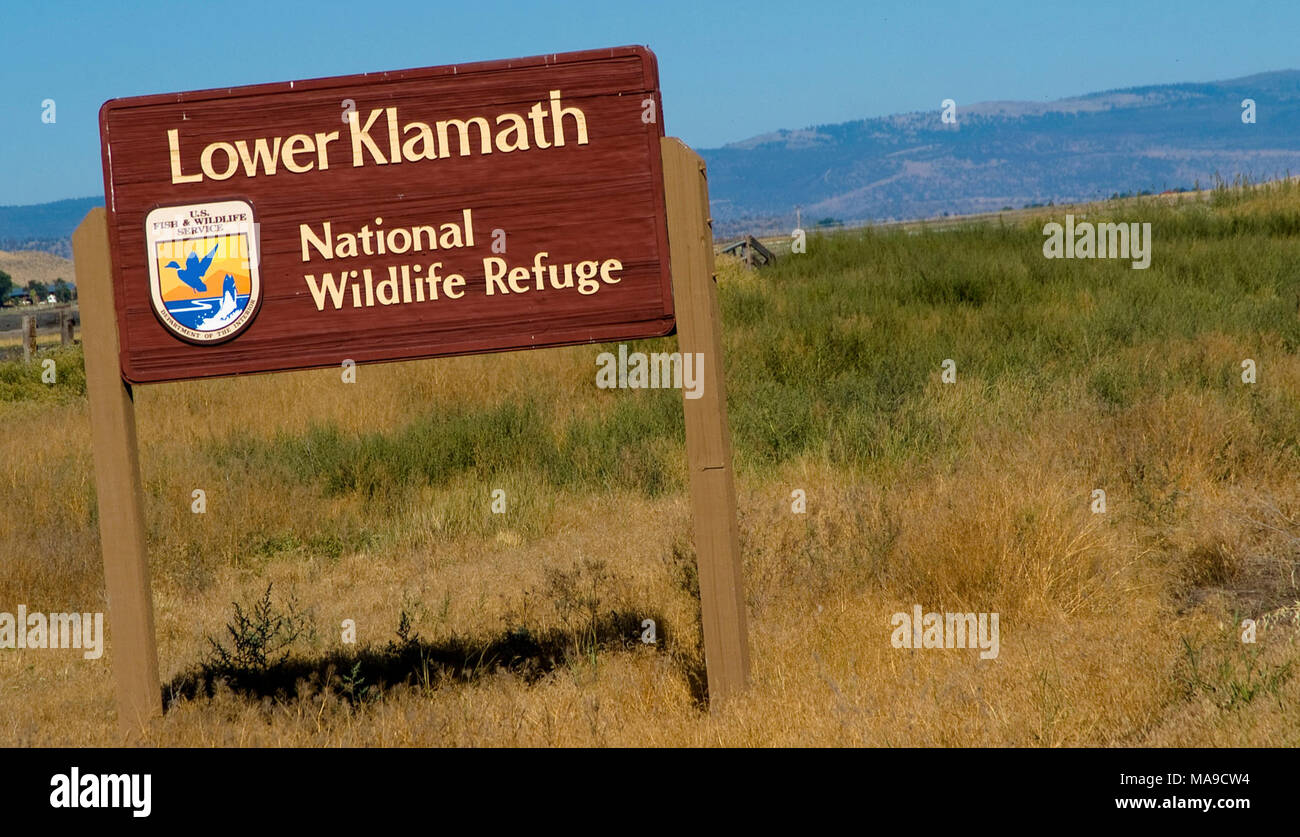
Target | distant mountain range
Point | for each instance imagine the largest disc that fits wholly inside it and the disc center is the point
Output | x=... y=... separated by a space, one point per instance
x=913 y=165
x=1001 y=154
x=44 y=226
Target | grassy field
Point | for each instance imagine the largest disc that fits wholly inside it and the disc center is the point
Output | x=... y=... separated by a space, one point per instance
x=372 y=502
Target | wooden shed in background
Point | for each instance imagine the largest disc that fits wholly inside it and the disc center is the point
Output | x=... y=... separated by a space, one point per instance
x=752 y=251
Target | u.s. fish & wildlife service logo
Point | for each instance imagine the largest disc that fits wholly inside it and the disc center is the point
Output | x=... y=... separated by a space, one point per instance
x=203 y=271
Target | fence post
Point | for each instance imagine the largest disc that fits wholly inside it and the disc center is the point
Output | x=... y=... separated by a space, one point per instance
x=29 y=337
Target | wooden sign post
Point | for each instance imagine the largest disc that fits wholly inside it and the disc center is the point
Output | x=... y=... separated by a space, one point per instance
x=117 y=486
x=452 y=210
x=708 y=435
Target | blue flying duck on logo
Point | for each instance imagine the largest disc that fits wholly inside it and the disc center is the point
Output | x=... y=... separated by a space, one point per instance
x=192 y=273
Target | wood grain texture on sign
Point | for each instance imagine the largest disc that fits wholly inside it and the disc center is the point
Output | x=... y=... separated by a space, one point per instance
x=581 y=202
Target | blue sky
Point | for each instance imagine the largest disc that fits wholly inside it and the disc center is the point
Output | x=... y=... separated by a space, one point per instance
x=728 y=71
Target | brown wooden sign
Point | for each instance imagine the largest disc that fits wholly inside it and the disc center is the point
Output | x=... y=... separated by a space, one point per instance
x=507 y=205
x=452 y=210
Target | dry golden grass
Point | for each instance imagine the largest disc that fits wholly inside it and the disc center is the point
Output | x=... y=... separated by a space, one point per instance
x=1116 y=629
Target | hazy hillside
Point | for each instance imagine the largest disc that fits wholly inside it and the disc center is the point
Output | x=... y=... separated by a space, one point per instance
x=1011 y=153
x=45 y=226
x=36 y=266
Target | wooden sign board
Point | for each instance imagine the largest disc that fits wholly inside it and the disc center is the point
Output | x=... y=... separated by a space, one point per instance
x=389 y=216
x=480 y=208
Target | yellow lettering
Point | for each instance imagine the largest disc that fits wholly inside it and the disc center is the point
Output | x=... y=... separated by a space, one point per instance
x=174 y=146
x=361 y=139
x=205 y=161
x=424 y=138
x=297 y=144
x=322 y=140
x=518 y=128
x=558 y=112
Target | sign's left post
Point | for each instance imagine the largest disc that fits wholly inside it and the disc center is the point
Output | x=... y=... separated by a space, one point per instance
x=117 y=485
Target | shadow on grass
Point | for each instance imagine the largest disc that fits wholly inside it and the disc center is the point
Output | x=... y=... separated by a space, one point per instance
x=367 y=673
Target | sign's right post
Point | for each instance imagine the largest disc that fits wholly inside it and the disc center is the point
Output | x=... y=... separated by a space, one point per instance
x=708 y=437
